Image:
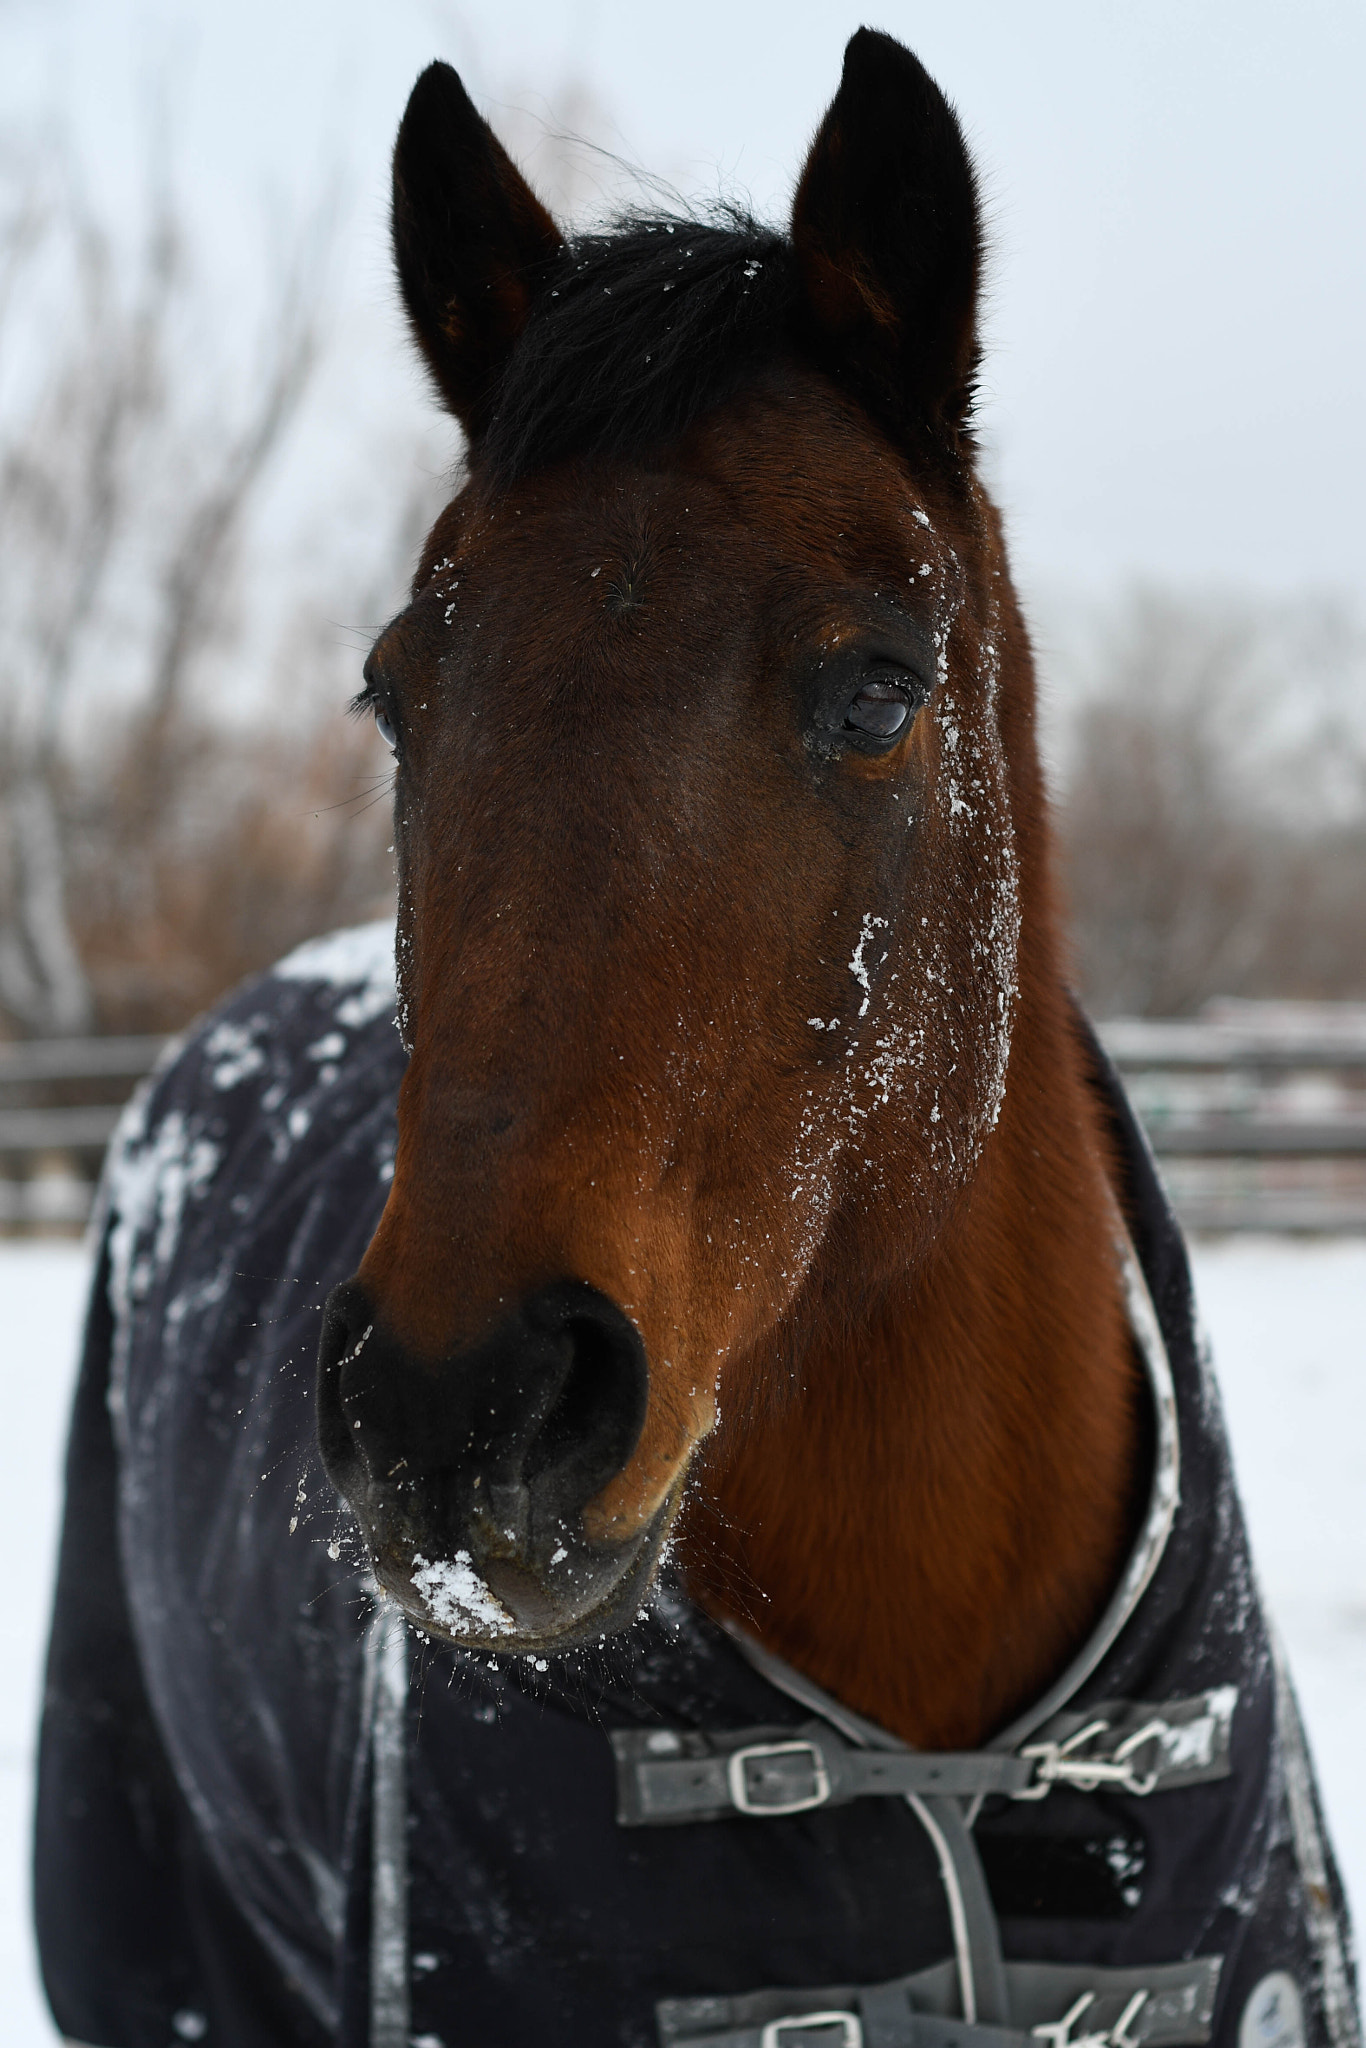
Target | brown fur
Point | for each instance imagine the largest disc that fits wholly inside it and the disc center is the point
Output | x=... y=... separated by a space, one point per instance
x=754 y=1027
x=604 y=1079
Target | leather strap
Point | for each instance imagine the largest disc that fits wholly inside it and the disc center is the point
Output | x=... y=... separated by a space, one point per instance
x=1054 y=2005
x=667 y=1776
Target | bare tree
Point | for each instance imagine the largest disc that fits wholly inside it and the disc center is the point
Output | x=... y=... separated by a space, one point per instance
x=73 y=463
x=155 y=843
x=1214 y=815
x=62 y=495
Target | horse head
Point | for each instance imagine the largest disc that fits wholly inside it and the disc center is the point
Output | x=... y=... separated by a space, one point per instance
x=707 y=815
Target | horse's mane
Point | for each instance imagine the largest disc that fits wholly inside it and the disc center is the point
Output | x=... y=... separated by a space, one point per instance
x=634 y=332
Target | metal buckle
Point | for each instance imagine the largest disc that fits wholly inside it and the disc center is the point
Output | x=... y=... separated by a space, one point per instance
x=1058 y=1763
x=1059 y=2032
x=739 y=1792
x=849 y=2023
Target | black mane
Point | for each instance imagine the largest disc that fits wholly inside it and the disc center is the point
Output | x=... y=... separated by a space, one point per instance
x=634 y=333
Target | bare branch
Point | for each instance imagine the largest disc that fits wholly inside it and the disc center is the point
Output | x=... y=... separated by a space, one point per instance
x=194 y=569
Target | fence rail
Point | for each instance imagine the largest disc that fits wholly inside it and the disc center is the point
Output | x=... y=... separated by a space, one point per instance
x=60 y=1100
x=79 y=1059
x=1256 y=1111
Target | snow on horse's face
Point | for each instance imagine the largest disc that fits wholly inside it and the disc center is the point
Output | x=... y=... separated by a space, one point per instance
x=707 y=886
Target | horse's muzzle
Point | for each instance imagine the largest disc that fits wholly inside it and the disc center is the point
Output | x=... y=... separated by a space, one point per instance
x=469 y=1476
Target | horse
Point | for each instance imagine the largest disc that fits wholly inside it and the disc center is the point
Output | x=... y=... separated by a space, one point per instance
x=748 y=1327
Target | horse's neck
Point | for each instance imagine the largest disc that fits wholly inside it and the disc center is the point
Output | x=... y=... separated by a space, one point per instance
x=932 y=1525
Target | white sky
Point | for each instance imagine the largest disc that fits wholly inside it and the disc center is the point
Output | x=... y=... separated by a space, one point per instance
x=1178 y=306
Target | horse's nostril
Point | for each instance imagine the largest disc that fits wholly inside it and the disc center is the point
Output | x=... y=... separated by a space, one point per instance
x=597 y=1413
x=519 y=1430
x=594 y=1362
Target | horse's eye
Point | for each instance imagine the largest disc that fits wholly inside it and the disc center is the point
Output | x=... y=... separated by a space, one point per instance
x=384 y=726
x=879 y=709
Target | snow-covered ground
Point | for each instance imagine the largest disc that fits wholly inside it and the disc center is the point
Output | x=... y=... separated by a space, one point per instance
x=1288 y=1323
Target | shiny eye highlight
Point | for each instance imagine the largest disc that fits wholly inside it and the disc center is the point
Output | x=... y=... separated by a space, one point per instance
x=386 y=729
x=880 y=709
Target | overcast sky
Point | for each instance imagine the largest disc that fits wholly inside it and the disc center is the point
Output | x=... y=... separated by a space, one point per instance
x=1176 y=187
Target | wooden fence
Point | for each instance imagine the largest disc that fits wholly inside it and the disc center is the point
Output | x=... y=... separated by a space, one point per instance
x=1257 y=1112
x=60 y=1099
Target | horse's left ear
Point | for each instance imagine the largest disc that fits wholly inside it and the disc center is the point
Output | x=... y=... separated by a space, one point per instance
x=888 y=241
x=470 y=240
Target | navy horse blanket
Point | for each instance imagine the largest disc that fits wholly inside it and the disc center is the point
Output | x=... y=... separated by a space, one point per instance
x=270 y=1813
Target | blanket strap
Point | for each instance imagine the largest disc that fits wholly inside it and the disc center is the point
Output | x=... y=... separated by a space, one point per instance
x=1054 y=2005
x=667 y=1775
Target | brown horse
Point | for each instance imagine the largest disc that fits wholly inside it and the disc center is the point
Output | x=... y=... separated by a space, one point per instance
x=749 y=1193
x=756 y=1189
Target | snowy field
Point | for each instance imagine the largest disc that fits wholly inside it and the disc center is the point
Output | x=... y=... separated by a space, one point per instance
x=1288 y=1323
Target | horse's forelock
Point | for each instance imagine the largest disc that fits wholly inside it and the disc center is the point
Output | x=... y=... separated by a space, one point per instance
x=635 y=333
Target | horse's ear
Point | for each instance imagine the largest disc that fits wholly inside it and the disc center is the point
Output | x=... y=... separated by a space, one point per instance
x=888 y=241
x=470 y=240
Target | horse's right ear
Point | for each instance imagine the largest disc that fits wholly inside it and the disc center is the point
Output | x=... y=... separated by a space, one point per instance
x=888 y=242
x=470 y=240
